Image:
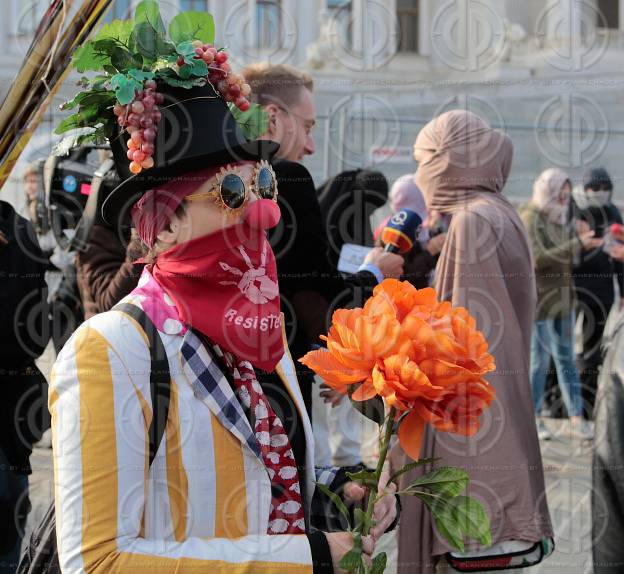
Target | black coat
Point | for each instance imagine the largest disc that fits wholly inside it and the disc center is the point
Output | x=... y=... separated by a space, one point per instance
x=608 y=459
x=310 y=286
x=595 y=270
x=25 y=334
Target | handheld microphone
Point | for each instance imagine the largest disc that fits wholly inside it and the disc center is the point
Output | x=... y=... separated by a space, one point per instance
x=401 y=231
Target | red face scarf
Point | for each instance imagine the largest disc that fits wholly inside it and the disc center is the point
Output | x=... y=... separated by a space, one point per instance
x=225 y=286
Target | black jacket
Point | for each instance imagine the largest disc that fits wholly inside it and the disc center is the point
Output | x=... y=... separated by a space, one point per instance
x=25 y=334
x=310 y=286
x=594 y=272
x=608 y=459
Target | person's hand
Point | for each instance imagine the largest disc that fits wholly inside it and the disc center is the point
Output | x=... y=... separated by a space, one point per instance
x=390 y=264
x=589 y=242
x=436 y=243
x=341 y=542
x=330 y=395
x=385 y=510
x=582 y=227
x=617 y=252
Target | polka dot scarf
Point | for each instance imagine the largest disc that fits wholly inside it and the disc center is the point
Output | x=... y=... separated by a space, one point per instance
x=286 y=514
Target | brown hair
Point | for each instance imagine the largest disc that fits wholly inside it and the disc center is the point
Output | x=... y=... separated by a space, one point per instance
x=279 y=83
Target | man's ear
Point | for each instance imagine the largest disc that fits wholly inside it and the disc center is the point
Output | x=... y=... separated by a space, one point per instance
x=272 y=110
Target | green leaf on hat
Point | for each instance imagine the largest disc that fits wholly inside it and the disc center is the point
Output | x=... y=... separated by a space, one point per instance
x=186 y=48
x=85 y=117
x=254 y=122
x=124 y=88
x=192 y=26
x=86 y=58
x=81 y=136
x=199 y=68
x=176 y=82
x=144 y=38
x=86 y=98
x=122 y=59
x=140 y=75
x=149 y=11
x=119 y=30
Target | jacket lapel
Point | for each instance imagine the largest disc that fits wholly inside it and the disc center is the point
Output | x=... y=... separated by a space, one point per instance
x=288 y=374
x=212 y=388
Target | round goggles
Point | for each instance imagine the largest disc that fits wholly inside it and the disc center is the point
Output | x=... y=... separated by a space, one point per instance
x=230 y=191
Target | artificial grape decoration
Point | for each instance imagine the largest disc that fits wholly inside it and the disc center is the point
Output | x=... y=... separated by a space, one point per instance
x=231 y=86
x=140 y=119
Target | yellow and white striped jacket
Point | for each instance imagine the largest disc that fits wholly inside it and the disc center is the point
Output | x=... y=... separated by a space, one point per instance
x=203 y=505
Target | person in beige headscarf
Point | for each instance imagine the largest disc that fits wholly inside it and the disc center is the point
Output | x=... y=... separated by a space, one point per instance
x=485 y=266
x=556 y=243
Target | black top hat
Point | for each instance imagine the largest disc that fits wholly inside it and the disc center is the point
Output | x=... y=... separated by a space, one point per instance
x=197 y=130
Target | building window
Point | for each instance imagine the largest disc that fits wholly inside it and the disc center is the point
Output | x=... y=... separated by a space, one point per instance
x=119 y=10
x=407 y=16
x=608 y=14
x=268 y=23
x=194 y=5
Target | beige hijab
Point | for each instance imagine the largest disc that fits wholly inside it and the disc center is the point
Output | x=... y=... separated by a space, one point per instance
x=459 y=156
x=485 y=266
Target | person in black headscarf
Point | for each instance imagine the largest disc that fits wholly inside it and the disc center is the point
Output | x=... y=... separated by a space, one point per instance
x=594 y=275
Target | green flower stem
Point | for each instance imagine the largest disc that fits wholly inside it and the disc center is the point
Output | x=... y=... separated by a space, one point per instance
x=383 y=451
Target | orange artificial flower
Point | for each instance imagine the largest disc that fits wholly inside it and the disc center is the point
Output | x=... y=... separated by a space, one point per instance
x=421 y=356
x=354 y=343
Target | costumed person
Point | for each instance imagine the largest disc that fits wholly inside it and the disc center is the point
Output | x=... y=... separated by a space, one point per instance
x=232 y=483
x=485 y=266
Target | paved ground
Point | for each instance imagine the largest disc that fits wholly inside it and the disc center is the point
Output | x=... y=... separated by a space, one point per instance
x=567 y=464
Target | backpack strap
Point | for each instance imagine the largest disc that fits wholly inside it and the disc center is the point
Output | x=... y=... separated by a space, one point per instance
x=160 y=377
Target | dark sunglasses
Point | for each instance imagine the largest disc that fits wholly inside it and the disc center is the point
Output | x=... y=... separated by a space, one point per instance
x=230 y=191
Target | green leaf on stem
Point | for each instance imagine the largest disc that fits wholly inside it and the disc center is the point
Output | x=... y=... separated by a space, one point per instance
x=447 y=525
x=471 y=518
x=412 y=466
x=336 y=500
x=361 y=520
x=192 y=26
x=379 y=563
x=353 y=559
x=364 y=477
x=446 y=481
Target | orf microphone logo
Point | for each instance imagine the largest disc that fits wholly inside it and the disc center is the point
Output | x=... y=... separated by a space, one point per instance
x=399 y=218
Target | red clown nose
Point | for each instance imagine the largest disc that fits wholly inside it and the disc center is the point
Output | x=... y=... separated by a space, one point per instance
x=262 y=214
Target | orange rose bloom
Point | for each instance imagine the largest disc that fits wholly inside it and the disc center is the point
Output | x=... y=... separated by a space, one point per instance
x=422 y=357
